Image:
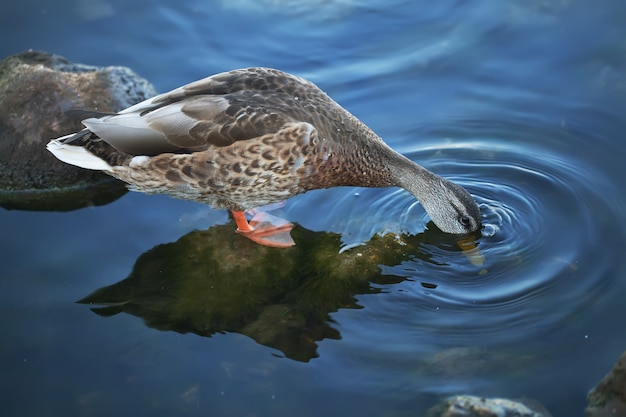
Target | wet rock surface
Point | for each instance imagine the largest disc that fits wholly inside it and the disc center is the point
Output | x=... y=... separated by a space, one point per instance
x=36 y=91
x=470 y=406
x=608 y=398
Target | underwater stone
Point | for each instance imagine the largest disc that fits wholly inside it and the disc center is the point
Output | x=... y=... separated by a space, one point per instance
x=36 y=90
x=470 y=406
x=608 y=398
x=459 y=362
x=214 y=281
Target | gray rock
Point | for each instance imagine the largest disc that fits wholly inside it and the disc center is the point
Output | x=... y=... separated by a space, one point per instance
x=608 y=398
x=36 y=90
x=469 y=406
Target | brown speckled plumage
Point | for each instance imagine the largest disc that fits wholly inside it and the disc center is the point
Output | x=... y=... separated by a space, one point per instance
x=250 y=137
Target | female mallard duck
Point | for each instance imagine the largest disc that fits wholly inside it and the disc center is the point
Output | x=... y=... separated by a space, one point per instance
x=251 y=137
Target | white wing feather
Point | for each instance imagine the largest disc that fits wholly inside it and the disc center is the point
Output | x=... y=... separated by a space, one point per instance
x=77 y=155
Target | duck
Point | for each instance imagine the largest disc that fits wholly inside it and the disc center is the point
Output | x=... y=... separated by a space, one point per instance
x=250 y=138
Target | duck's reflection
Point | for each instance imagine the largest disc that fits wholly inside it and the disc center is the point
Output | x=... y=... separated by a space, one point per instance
x=213 y=281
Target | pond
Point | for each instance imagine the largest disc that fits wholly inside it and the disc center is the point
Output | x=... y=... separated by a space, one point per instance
x=152 y=306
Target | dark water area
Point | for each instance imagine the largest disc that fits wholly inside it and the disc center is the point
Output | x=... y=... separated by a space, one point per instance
x=520 y=102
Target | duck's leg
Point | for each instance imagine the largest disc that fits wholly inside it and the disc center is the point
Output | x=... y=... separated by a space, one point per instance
x=265 y=229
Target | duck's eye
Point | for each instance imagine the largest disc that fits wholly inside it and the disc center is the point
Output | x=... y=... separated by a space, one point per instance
x=465 y=220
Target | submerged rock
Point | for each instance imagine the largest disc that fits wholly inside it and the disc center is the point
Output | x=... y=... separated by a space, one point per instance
x=608 y=398
x=212 y=281
x=469 y=406
x=36 y=90
x=468 y=361
x=215 y=281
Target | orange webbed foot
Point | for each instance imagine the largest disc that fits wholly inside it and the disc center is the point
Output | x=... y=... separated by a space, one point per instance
x=265 y=229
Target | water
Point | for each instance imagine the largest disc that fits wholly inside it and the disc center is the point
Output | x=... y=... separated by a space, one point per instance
x=520 y=102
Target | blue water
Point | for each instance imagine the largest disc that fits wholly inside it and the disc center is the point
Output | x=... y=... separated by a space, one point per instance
x=522 y=102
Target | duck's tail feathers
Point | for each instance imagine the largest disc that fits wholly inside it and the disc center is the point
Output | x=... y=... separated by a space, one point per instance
x=76 y=155
x=72 y=137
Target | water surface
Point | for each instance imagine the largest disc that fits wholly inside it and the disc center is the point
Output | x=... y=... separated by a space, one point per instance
x=520 y=102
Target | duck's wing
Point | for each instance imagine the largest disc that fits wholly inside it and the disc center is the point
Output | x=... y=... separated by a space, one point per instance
x=215 y=111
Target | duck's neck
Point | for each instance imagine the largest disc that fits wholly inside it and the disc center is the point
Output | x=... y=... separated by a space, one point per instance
x=413 y=177
x=380 y=166
x=358 y=157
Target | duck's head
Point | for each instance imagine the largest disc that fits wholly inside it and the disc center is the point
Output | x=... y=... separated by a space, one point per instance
x=451 y=207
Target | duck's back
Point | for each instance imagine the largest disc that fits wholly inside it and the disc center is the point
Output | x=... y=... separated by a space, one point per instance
x=240 y=139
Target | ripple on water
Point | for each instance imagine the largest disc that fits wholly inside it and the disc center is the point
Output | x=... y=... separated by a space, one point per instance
x=547 y=224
